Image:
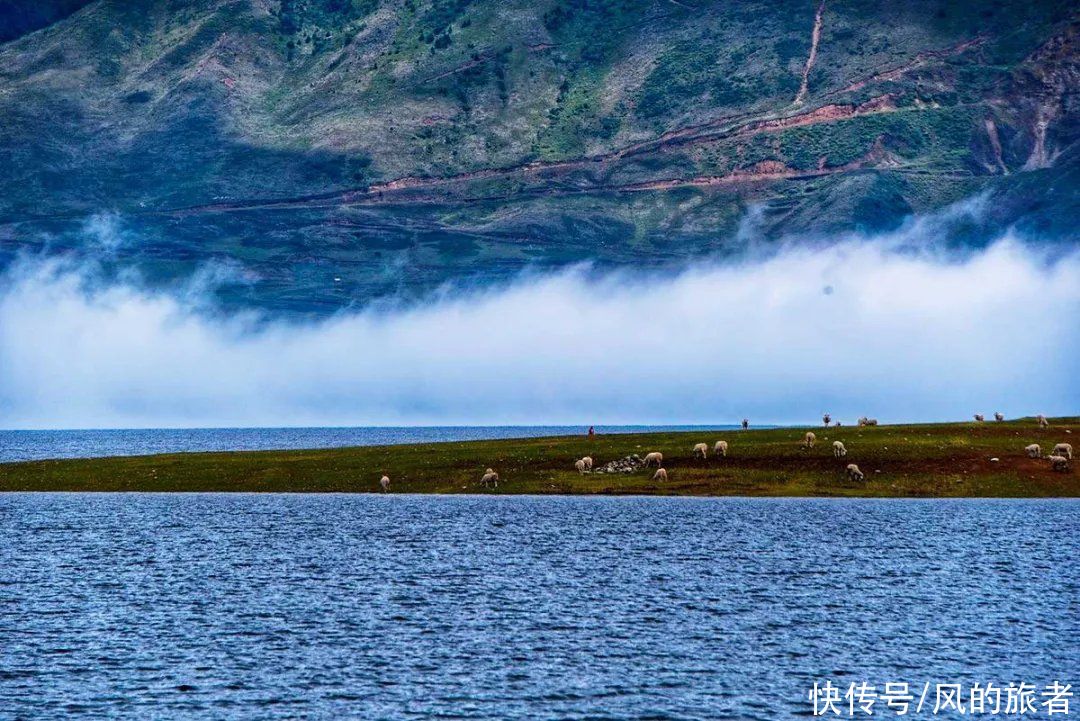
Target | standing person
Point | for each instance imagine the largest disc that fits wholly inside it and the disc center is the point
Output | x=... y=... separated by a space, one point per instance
x=745 y=423
x=592 y=433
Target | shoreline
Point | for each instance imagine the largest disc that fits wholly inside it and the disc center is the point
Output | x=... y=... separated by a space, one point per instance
x=939 y=460
x=597 y=496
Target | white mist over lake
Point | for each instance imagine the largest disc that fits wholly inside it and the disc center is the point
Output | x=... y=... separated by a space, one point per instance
x=856 y=327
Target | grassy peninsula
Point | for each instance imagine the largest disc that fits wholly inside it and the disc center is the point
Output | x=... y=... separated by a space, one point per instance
x=930 y=460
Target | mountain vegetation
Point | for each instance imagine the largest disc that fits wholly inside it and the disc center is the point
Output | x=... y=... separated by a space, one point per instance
x=335 y=151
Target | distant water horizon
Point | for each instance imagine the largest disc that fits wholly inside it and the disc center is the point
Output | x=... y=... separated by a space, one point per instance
x=37 y=445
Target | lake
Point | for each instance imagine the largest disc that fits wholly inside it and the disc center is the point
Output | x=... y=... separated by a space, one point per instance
x=24 y=445
x=404 y=607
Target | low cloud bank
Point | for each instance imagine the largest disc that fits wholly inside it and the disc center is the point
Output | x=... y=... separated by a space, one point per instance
x=859 y=327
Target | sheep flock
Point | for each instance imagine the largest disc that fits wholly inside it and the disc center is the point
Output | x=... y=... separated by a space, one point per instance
x=1059 y=459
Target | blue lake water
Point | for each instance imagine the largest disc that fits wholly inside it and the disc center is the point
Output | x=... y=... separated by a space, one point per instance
x=412 y=607
x=19 y=445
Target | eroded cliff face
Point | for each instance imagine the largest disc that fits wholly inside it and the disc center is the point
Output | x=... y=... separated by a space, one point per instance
x=395 y=145
x=1046 y=89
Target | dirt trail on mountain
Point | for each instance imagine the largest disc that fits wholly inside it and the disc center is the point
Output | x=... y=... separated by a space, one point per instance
x=459 y=69
x=381 y=192
x=419 y=196
x=410 y=191
x=914 y=64
x=815 y=38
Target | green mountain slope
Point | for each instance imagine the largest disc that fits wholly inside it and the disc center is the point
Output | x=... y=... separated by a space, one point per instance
x=395 y=145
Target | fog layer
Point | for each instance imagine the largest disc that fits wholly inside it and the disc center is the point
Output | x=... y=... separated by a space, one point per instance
x=858 y=327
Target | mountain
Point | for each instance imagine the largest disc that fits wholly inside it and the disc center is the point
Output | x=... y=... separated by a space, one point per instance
x=336 y=151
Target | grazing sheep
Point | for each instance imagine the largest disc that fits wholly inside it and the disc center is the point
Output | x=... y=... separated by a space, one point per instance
x=490 y=478
x=853 y=473
x=720 y=448
x=826 y=419
x=809 y=440
x=838 y=449
x=1058 y=463
x=864 y=421
x=1033 y=451
x=660 y=475
x=998 y=417
x=1063 y=449
x=580 y=466
x=701 y=450
x=654 y=457
x=1041 y=420
x=588 y=462
x=385 y=483
x=745 y=423
x=979 y=418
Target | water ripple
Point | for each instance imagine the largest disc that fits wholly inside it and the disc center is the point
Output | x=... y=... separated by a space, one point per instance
x=369 y=607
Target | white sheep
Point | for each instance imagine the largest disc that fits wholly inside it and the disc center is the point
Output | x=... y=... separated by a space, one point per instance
x=654 y=457
x=701 y=450
x=1033 y=451
x=1063 y=449
x=998 y=417
x=490 y=478
x=838 y=449
x=1058 y=463
x=809 y=440
x=1041 y=420
x=660 y=475
x=720 y=448
x=588 y=462
x=854 y=473
x=979 y=418
x=580 y=465
x=385 y=483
